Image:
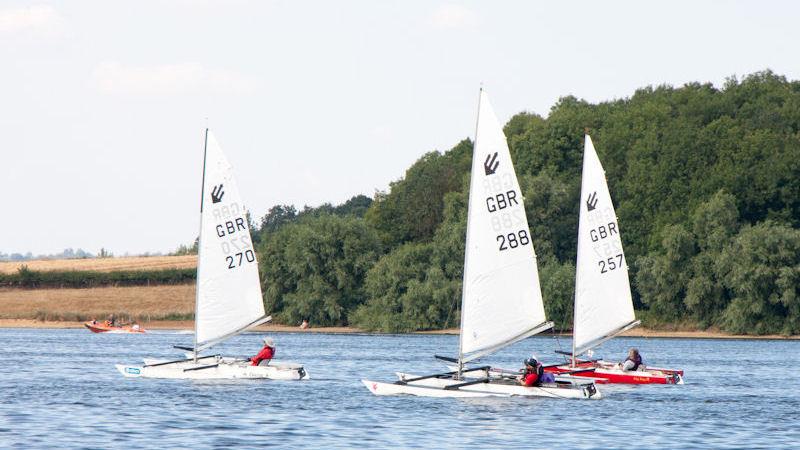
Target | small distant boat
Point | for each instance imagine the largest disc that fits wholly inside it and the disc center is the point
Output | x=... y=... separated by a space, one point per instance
x=97 y=327
x=228 y=296
x=603 y=302
x=501 y=298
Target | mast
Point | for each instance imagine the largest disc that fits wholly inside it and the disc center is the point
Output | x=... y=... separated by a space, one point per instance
x=199 y=243
x=466 y=247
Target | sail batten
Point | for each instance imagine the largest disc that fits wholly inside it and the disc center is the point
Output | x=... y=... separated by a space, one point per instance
x=603 y=302
x=228 y=286
x=501 y=298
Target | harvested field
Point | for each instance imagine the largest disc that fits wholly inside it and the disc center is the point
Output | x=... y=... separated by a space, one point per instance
x=144 y=304
x=104 y=264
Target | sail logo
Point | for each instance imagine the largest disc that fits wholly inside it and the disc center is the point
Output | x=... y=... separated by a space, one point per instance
x=216 y=194
x=591 y=202
x=491 y=164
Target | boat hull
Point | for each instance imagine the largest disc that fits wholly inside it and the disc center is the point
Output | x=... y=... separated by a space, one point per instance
x=215 y=368
x=442 y=387
x=101 y=328
x=611 y=373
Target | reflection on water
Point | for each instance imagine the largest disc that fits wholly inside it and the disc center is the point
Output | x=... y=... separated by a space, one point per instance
x=60 y=388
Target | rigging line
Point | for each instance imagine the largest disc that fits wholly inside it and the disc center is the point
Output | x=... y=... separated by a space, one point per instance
x=558 y=339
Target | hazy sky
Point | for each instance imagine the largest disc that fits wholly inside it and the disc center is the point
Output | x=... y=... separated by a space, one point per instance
x=103 y=103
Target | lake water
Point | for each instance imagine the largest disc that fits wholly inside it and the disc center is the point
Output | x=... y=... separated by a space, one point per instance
x=60 y=388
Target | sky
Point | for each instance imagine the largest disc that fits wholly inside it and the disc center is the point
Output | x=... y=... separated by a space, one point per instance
x=103 y=103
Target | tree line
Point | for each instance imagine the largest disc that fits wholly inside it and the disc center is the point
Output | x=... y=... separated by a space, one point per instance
x=706 y=184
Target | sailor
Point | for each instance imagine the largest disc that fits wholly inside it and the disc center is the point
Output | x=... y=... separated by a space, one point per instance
x=533 y=373
x=265 y=355
x=634 y=360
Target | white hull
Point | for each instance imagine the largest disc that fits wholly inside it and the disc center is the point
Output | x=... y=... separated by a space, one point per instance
x=438 y=387
x=215 y=368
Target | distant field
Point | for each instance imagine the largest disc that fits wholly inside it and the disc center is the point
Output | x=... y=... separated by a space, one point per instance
x=105 y=264
x=139 y=303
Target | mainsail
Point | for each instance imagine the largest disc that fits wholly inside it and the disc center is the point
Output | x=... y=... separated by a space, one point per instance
x=603 y=303
x=228 y=287
x=501 y=298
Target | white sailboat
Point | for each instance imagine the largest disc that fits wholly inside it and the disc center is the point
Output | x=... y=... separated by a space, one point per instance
x=228 y=295
x=603 y=302
x=501 y=298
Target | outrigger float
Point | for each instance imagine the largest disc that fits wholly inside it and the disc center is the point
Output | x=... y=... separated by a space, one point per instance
x=501 y=298
x=228 y=298
x=603 y=302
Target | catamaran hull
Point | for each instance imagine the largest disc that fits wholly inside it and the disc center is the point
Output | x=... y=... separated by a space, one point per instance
x=610 y=374
x=444 y=387
x=216 y=369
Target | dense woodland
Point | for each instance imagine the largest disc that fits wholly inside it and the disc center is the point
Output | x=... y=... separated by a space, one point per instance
x=706 y=183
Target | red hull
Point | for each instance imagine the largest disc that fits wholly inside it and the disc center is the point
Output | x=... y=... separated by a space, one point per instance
x=102 y=328
x=611 y=374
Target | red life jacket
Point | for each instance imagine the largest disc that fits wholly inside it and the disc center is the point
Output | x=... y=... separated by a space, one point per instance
x=266 y=353
x=534 y=377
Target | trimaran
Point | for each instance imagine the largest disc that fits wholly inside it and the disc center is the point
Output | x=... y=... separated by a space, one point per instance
x=501 y=297
x=228 y=297
x=603 y=302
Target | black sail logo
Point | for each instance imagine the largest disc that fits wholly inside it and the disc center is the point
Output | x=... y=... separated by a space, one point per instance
x=491 y=163
x=216 y=194
x=591 y=202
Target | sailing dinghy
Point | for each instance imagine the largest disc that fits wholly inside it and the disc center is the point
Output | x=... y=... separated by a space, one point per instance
x=228 y=298
x=501 y=299
x=603 y=302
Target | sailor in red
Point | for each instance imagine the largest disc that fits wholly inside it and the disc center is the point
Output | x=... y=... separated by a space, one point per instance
x=533 y=373
x=265 y=355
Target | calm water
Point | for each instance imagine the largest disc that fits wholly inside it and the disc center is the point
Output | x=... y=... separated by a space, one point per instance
x=60 y=388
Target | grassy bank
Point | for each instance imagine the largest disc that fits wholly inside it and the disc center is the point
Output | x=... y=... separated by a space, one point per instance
x=143 y=304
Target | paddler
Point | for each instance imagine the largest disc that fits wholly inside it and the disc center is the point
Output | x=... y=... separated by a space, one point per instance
x=265 y=355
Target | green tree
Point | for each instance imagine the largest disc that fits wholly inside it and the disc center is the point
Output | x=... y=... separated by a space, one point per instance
x=414 y=206
x=762 y=271
x=315 y=269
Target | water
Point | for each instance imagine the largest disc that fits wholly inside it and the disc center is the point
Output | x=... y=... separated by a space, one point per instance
x=60 y=388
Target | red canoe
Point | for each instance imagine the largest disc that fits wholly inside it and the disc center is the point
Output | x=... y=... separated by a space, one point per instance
x=612 y=373
x=97 y=327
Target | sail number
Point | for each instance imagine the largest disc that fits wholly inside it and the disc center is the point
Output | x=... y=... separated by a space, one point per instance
x=237 y=259
x=610 y=263
x=513 y=240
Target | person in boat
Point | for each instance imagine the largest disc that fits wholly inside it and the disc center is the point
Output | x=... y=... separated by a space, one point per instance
x=532 y=375
x=633 y=362
x=265 y=355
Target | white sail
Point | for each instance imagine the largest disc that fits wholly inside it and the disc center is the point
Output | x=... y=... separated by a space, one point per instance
x=502 y=301
x=228 y=287
x=603 y=303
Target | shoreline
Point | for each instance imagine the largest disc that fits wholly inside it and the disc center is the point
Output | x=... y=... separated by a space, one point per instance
x=277 y=328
